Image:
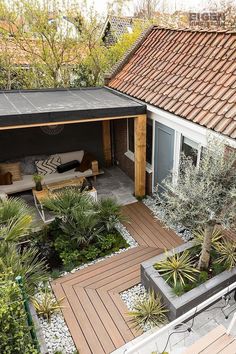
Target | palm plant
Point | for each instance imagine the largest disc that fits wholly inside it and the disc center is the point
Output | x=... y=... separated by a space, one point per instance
x=148 y=312
x=46 y=304
x=15 y=219
x=82 y=226
x=63 y=202
x=227 y=252
x=110 y=213
x=27 y=264
x=177 y=268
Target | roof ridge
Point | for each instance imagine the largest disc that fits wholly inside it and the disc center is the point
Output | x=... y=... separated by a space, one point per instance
x=188 y=29
x=118 y=66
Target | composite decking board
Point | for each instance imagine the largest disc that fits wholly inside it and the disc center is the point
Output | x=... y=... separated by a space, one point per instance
x=94 y=312
x=221 y=343
x=83 y=321
x=98 y=267
x=107 y=319
x=97 y=324
x=230 y=349
x=72 y=322
x=147 y=230
x=149 y=219
x=206 y=341
x=108 y=277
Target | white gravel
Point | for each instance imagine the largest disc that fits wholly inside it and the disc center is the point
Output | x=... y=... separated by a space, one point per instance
x=56 y=333
x=158 y=213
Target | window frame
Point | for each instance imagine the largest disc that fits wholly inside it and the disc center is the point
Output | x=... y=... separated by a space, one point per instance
x=130 y=154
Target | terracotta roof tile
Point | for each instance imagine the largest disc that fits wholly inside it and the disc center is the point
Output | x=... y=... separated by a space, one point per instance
x=189 y=73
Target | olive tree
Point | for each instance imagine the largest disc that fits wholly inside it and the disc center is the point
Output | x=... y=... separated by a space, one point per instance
x=204 y=195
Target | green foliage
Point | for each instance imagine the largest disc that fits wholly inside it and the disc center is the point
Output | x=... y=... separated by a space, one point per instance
x=177 y=268
x=15 y=219
x=110 y=213
x=14 y=333
x=226 y=250
x=150 y=311
x=46 y=305
x=200 y=234
x=25 y=263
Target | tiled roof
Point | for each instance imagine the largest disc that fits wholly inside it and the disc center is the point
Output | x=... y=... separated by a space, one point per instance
x=191 y=74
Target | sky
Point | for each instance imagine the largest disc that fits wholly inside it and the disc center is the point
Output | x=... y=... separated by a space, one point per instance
x=170 y=5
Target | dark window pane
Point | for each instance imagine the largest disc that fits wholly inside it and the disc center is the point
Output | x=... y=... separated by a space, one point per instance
x=131 y=134
x=149 y=142
x=189 y=148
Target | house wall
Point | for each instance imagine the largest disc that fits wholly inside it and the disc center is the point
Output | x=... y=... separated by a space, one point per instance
x=122 y=158
x=18 y=143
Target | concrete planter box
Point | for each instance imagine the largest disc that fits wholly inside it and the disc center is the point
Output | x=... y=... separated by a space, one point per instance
x=178 y=305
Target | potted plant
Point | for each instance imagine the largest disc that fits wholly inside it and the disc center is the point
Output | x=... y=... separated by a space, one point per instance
x=38 y=181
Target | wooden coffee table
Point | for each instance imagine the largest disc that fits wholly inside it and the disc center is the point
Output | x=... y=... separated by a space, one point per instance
x=50 y=190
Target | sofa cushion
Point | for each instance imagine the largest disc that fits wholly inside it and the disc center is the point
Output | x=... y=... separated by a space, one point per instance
x=5 y=178
x=48 y=166
x=28 y=166
x=13 y=167
x=86 y=162
x=67 y=166
x=70 y=156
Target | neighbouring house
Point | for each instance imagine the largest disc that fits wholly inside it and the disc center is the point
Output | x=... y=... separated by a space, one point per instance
x=116 y=26
x=187 y=79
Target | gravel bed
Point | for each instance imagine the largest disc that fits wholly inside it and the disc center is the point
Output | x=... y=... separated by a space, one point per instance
x=56 y=333
x=132 y=295
x=126 y=235
x=158 y=213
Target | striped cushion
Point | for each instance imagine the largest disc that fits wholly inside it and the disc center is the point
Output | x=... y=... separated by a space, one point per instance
x=46 y=167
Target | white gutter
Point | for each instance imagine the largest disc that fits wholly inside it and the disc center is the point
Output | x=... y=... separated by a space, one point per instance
x=153 y=337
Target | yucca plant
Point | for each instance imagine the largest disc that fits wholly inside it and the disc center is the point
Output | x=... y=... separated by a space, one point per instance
x=177 y=268
x=227 y=252
x=150 y=312
x=199 y=235
x=46 y=304
x=13 y=208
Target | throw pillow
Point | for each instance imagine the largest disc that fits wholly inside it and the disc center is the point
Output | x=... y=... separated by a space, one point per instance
x=14 y=168
x=5 y=178
x=67 y=166
x=46 y=167
x=86 y=162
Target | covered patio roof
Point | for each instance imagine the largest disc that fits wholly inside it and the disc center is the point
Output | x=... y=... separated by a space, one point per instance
x=35 y=108
x=19 y=109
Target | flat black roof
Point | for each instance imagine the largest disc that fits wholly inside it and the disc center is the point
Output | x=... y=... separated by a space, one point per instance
x=28 y=107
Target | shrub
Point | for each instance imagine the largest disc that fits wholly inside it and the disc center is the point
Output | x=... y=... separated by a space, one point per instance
x=110 y=213
x=15 y=335
x=148 y=312
x=177 y=268
x=226 y=250
x=46 y=304
x=25 y=263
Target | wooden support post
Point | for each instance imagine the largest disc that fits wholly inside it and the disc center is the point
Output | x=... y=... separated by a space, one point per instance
x=106 y=138
x=140 y=131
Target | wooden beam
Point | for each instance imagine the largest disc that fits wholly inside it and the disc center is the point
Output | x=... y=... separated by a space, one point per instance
x=140 y=131
x=87 y=120
x=106 y=139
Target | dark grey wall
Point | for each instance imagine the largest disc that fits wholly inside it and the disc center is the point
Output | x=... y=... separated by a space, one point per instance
x=32 y=141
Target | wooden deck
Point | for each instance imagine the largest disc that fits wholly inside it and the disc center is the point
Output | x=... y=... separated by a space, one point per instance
x=215 y=342
x=94 y=311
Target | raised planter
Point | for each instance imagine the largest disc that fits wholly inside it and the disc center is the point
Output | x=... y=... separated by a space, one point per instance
x=178 y=305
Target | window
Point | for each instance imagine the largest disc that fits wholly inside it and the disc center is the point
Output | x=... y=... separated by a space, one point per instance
x=191 y=149
x=149 y=139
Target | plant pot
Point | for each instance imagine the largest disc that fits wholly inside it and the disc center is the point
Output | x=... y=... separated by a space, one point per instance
x=38 y=186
